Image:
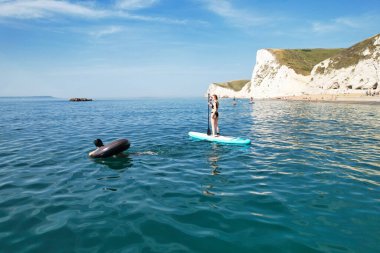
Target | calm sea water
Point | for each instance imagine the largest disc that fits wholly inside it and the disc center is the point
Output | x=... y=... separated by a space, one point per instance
x=310 y=181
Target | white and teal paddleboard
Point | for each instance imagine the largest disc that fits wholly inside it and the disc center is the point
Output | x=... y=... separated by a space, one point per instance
x=220 y=139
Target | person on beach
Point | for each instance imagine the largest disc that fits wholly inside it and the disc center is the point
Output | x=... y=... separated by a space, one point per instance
x=214 y=115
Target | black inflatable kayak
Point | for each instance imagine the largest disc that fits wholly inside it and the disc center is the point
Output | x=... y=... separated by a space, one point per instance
x=111 y=149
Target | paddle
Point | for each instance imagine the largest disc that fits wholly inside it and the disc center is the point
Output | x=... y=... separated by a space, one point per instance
x=208 y=114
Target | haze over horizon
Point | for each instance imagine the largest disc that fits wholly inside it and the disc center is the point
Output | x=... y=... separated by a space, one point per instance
x=160 y=48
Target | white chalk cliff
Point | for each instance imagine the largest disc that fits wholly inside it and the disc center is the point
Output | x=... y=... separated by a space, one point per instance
x=352 y=70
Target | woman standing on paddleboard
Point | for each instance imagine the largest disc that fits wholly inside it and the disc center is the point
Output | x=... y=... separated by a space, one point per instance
x=214 y=115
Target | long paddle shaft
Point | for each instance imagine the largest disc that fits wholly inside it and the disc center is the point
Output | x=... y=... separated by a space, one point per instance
x=208 y=114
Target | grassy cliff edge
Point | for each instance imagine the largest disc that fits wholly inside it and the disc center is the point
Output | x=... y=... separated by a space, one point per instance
x=302 y=61
x=235 y=85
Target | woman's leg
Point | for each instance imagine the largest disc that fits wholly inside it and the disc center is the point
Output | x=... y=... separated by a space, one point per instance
x=213 y=125
x=217 y=125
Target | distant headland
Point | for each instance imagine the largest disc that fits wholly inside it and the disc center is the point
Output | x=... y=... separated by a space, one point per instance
x=27 y=97
x=311 y=74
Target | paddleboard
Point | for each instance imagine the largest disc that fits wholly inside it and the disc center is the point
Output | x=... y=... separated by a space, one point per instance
x=220 y=138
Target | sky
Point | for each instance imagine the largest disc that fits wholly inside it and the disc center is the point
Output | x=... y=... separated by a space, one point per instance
x=160 y=48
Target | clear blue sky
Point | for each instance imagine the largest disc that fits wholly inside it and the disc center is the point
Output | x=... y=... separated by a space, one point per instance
x=164 y=48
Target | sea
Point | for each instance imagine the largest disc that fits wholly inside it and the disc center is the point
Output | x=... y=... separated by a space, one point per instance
x=309 y=181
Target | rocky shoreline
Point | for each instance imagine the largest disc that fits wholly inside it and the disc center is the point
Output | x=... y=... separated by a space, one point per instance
x=333 y=98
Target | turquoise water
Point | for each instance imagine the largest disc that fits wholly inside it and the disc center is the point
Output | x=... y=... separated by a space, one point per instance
x=310 y=181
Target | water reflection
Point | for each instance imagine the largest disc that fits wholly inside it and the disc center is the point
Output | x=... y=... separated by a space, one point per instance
x=116 y=163
x=213 y=159
x=207 y=191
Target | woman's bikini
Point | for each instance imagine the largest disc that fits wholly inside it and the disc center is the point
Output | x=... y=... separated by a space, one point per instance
x=216 y=110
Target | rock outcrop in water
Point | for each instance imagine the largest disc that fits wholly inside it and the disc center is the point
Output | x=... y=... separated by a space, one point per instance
x=282 y=72
x=80 y=99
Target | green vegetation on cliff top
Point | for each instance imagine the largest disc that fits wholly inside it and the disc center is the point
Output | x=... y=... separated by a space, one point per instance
x=235 y=85
x=352 y=55
x=302 y=61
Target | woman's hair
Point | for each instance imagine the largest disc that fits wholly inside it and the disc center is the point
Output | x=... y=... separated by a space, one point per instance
x=216 y=101
x=98 y=143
